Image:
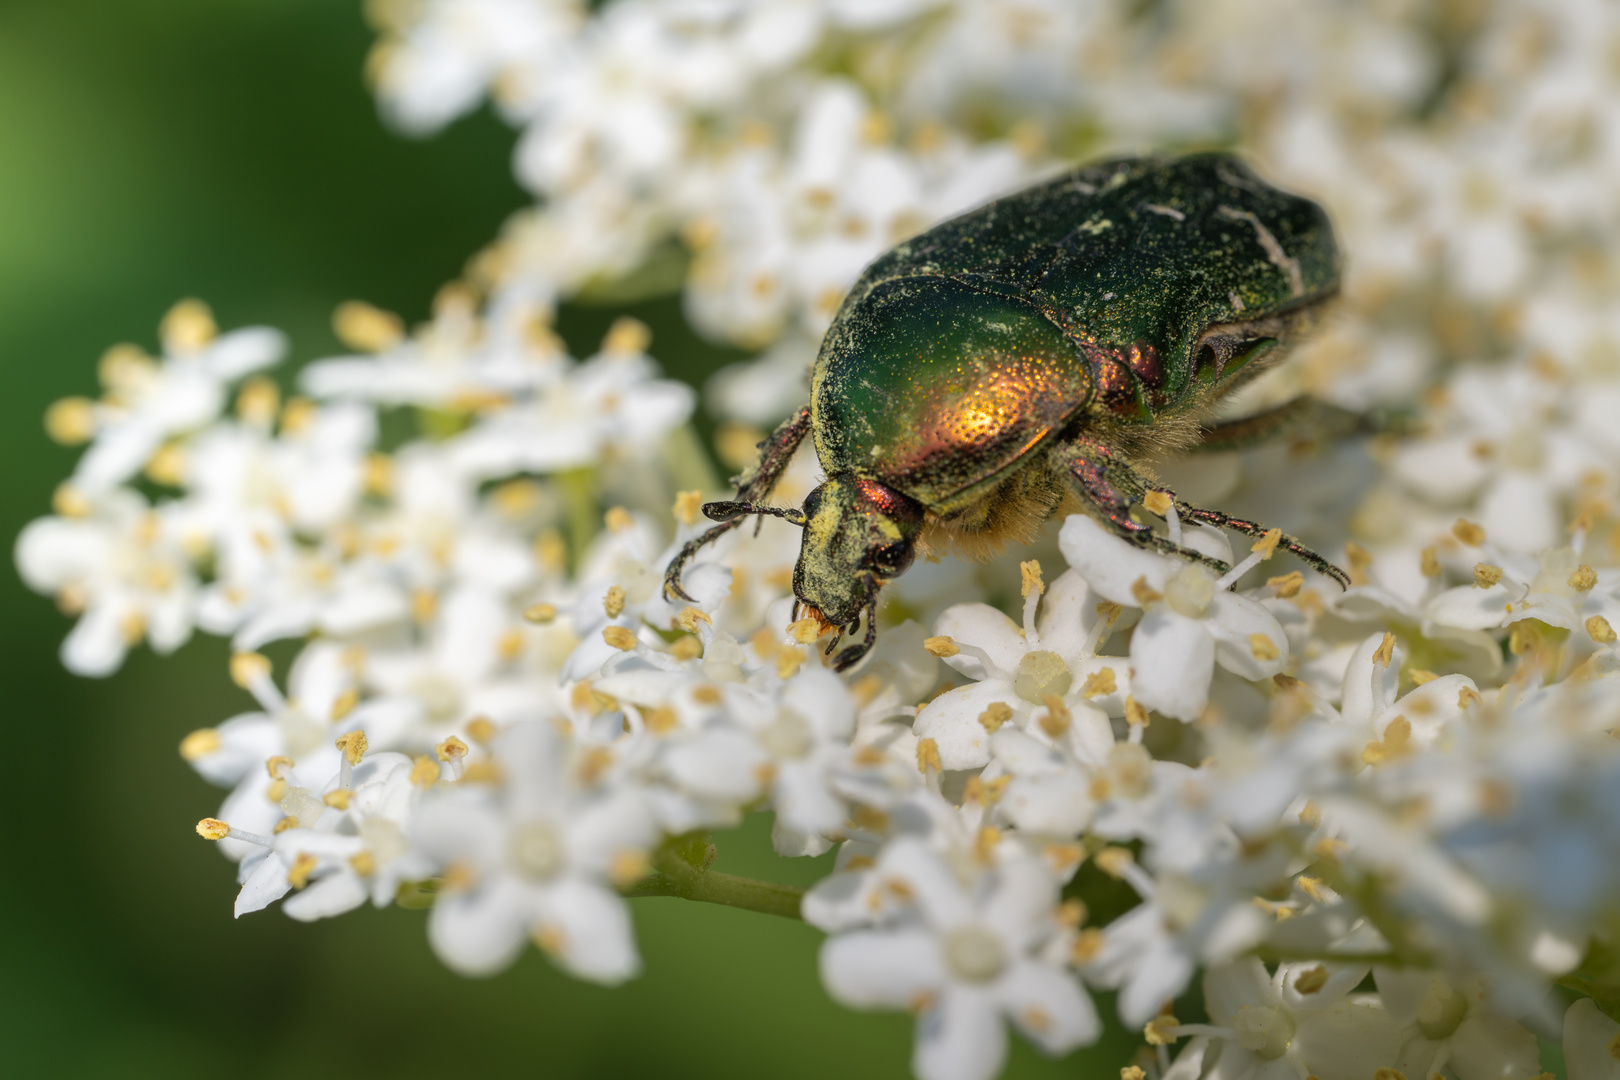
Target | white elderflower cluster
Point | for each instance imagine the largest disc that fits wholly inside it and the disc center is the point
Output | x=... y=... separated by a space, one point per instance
x=1380 y=827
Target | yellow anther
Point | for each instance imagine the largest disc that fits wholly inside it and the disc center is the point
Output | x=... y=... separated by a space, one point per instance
x=364 y=328
x=1314 y=888
x=1496 y=797
x=303 y=866
x=984 y=844
x=363 y=863
x=424 y=605
x=941 y=646
x=378 y=473
x=687 y=506
x=187 y=326
x=628 y=867
x=1386 y=650
x=1421 y=676
x=1486 y=575
x=353 y=744
x=284 y=824
x=425 y=771
x=258 y=401
x=618 y=519
x=1288 y=584
x=1087 y=944
x=690 y=617
x=1310 y=815
x=1311 y=980
x=276 y=790
x=1430 y=563
x=928 y=756
x=593 y=764
x=248 y=668
x=1132 y=1072
x=1468 y=696
x=1328 y=848
x=788 y=662
x=1158 y=1031
x=1395 y=743
x=707 y=694
x=660 y=719
x=71 y=421
x=1113 y=861
x=1135 y=713
x=278 y=766
x=1599 y=630
x=297 y=415
x=613 y=602
x=1108 y=611
x=481 y=730
x=1262 y=648
x=1469 y=533
x=1158 y=502
x=551 y=551
x=540 y=614
x=213 y=829
x=1030 y=578
x=345 y=703
x=1144 y=593
x=200 y=743
x=1099 y=683
x=1267 y=544
x=627 y=336
x=167 y=465
x=338 y=799
x=452 y=749
x=1583 y=579
x=1056 y=720
x=68 y=501
x=994 y=715
x=619 y=637
x=481 y=772
x=686 y=647
x=805 y=631
x=1071 y=913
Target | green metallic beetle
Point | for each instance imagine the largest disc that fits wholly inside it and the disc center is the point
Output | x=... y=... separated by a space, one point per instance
x=1012 y=362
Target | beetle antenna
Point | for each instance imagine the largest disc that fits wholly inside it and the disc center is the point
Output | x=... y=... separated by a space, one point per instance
x=728 y=509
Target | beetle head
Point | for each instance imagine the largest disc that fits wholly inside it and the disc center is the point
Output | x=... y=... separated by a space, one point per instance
x=857 y=535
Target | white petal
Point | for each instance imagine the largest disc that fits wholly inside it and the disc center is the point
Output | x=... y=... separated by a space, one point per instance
x=881 y=968
x=960 y=1038
x=720 y=764
x=95 y=647
x=1233 y=621
x=1110 y=564
x=1172 y=659
x=264 y=886
x=1049 y=1007
x=1588 y=1034
x=952 y=721
x=482 y=931
x=802 y=800
x=596 y=939
x=934 y=889
x=1362 y=675
x=986 y=628
x=1470 y=608
x=331 y=895
x=1020 y=908
x=1068 y=613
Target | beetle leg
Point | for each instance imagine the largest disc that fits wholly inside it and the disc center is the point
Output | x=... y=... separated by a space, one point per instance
x=852 y=655
x=1108 y=486
x=1305 y=417
x=1253 y=528
x=752 y=487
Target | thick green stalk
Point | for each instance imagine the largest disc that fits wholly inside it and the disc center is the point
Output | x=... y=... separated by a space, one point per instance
x=682 y=869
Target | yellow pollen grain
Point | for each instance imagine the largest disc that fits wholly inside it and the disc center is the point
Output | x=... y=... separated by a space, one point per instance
x=1430 y=563
x=1132 y=1072
x=1262 y=648
x=68 y=501
x=1087 y=944
x=1071 y=913
x=1267 y=544
x=1328 y=848
x=1386 y=650
x=378 y=473
x=200 y=743
x=278 y=766
x=284 y=824
x=928 y=756
x=1469 y=533
x=1157 y=502
x=345 y=703
x=258 y=401
x=1135 y=713
x=613 y=602
x=805 y=631
x=1599 y=630
x=363 y=863
x=788 y=662
x=620 y=637
x=1099 y=683
x=1486 y=575
x=1288 y=584
x=627 y=336
x=687 y=506
x=247 y=668
x=1057 y=718
x=1468 y=696
x=365 y=328
x=71 y=421
x=540 y=614
x=276 y=790
x=188 y=326
x=984 y=844
x=481 y=729
x=1144 y=593
x=618 y=519
x=707 y=694
x=452 y=749
x=660 y=719
x=1157 y=1031
x=765 y=643
x=1310 y=815
x=303 y=866
x=941 y=646
x=1113 y=861
x=1313 y=888
x=994 y=715
x=353 y=744
x=1421 y=676
x=337 y=800
x=510 y=644
x=213 y=829
x=686 y=647
x=1030 y=578
x=425 y=771
x=1312 y=980
x=1395 y=743
x=1584 y=579
x=690 y=617
x=1108 y=611
x=167 y=465
x=1062 y=858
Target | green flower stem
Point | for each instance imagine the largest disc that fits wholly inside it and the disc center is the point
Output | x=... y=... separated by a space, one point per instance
x=683 y=870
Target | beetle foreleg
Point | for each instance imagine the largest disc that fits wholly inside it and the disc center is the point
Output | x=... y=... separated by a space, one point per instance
x=1253 y=528
x=852 y=655
x=672 y=575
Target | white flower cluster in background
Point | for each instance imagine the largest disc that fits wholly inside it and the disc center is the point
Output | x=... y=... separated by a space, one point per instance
x=1381 y=828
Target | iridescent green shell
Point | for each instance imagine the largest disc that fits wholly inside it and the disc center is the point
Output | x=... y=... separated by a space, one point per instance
x=959 y=352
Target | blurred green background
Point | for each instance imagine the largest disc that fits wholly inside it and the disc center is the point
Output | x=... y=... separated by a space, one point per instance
x=227 y=149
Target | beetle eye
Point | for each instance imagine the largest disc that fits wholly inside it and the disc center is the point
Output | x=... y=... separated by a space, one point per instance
x=890 y=560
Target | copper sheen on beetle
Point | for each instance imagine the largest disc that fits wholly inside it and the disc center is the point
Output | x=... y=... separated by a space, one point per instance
x=1011 y=363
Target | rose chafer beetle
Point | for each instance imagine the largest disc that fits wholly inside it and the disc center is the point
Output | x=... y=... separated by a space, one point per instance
x=1013 y=363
